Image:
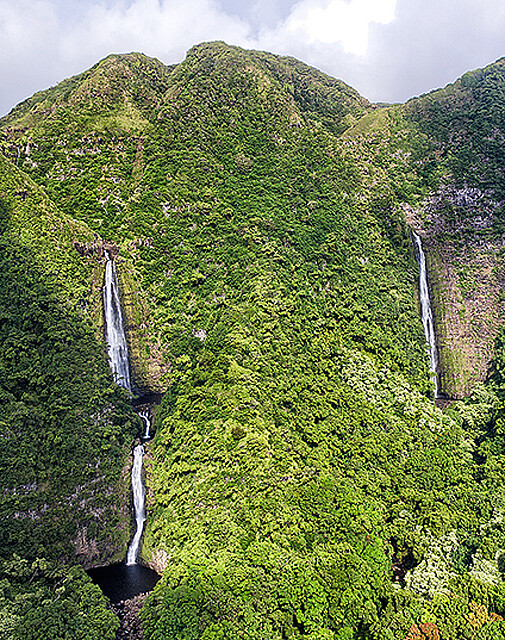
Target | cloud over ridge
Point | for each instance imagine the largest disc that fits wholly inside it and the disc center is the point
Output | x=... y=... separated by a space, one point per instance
x=387 y=49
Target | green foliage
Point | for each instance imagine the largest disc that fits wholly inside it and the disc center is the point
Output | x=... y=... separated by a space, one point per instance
x=270 y=282
x=65 y=426
x=467 y=120
x=42 y=599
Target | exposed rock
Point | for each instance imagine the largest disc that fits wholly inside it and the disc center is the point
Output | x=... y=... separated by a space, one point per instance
x=158 y=561
x=85 y=548
x=466 y=277
x=127 y=612
x=96 y=248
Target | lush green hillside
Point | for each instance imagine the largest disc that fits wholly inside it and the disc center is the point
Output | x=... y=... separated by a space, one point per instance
x=65 y=428
x=467 y=120
x=443 y=153
x=42 y=599
x=463 y=130
x=65 y=425
x=301 y=483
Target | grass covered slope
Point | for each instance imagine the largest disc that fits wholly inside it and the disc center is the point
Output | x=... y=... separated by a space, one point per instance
x=65 y=427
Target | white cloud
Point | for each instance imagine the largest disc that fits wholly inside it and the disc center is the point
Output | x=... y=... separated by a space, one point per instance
x=387 y=49
x=165 y=29
x=340 y=21
x=42 y=41
x=40 y=45
x=25 y=27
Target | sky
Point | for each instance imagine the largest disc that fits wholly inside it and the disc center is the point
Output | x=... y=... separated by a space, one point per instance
x=389 y=50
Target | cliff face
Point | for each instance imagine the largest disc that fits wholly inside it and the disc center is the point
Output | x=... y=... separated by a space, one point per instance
x=115 y=147
x=467 y=274
x=65 y=429
x=460 y=129
x=125 y=147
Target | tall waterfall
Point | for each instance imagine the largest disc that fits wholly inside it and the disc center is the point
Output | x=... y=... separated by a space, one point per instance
x=116 y=339
x=426 y=311
x=138 y=492
x=120 y=366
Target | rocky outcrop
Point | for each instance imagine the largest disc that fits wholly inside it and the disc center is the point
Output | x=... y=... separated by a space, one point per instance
x=149 y=365
x=466 y=266
x=96 y=248
x=128 y=612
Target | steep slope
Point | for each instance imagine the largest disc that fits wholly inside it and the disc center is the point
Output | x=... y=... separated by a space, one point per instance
x=443 y=152
x=82 y=141
x=119 y=92
x=95 y=143
x=65 y=428
x=299 y=465
x=464 y=220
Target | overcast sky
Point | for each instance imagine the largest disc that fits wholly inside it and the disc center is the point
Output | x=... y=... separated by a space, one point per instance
x=389 y=50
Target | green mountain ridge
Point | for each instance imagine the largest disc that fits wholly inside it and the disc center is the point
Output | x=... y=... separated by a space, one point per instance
x=301 y=483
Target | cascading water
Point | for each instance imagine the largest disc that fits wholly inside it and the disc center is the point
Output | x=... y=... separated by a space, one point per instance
x=122 y=581
x=147 y=421
x=426 y=310
x=138 y=491
x=120 y=366
x=114 y=327
x=138 y=503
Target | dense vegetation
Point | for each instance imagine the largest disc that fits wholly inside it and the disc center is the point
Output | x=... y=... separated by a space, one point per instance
x=65 y=427
x=43 y=599
x=301 y=483
x=462 y=128
x=467 y=119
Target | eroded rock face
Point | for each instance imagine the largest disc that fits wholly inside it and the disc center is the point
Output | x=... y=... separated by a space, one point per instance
x=465 y=252
x=96 y=248
x=128 y=613
x=158 y=560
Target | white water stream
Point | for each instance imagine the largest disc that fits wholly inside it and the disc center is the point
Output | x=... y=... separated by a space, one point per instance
x=426 y=311
x=117 y=347
x=147 y=421
x=139 y=498
x=138 y=503
x=118 y=360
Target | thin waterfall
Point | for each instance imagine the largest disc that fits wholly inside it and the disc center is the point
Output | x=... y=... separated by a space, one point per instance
x=139 y=498
x=147 y=421
x=426 y=311
x=117 y=347
x=118 y=361
x=138 y=503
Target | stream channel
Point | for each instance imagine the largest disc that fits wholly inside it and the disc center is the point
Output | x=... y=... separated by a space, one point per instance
x=124 y=580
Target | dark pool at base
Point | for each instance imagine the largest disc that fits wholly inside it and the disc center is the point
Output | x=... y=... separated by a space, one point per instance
x=121 y=582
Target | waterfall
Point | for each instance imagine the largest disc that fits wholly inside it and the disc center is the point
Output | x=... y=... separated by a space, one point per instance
x=117 y=347
x=118 y=361
x=426 y=311
x=147 y=421
x=138 y=503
